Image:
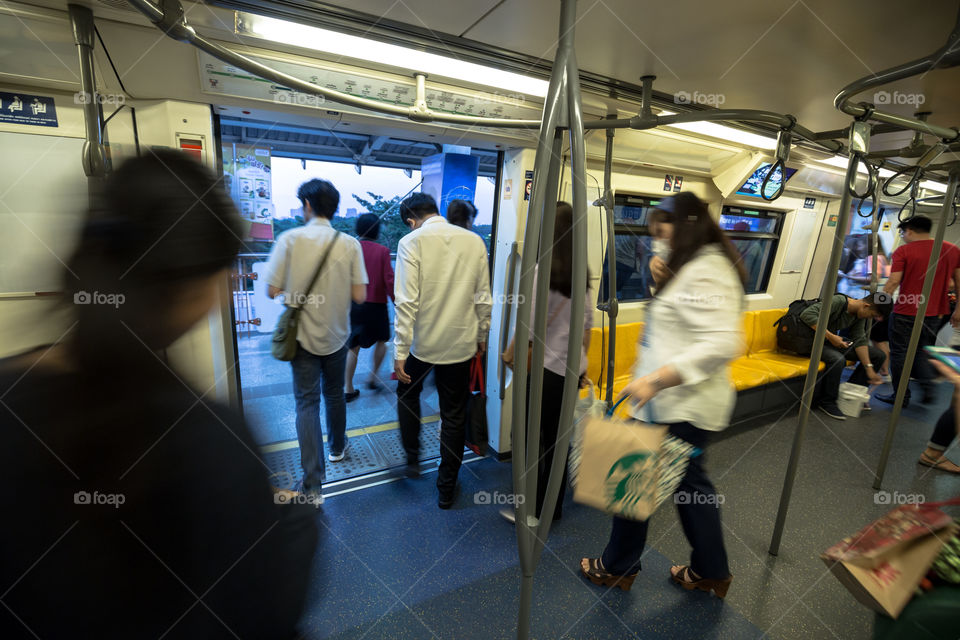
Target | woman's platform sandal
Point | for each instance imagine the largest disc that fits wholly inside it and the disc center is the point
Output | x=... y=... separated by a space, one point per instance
x=941 y=463
x=592 y=568
x=687 y=579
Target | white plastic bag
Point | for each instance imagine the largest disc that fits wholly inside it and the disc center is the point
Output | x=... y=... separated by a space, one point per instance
x=586 y=408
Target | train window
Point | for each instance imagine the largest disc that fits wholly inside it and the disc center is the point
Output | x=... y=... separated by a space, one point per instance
x=755 y=233
x=631 y=240
x=855 y=270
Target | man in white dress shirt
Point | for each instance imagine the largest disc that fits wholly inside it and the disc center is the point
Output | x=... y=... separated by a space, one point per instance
x=324 y=322
x=443 y=303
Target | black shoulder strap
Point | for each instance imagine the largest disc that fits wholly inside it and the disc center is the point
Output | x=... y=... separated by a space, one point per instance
x=323 y=261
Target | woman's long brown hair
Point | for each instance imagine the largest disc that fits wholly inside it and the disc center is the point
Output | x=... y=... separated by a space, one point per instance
x=693 y=229
x=561 y=264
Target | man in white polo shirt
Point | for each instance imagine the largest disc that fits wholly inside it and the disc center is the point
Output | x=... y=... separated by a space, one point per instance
x=324 y=323
x=443 y=303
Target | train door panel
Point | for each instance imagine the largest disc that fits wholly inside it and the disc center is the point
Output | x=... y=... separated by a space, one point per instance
x=511 y=225
x=205 y=354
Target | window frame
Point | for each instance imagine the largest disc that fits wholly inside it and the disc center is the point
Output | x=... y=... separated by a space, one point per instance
x=775 y=236
x=637 y=230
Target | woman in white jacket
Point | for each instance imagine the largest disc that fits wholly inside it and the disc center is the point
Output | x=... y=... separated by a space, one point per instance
x=693 y=330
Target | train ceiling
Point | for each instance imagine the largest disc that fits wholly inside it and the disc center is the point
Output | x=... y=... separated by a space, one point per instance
x=789 y=56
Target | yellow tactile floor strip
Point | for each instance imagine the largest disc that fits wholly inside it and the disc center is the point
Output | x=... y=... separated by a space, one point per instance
x=351 y=433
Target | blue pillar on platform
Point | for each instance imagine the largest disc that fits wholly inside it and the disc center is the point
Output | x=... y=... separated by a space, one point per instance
x=450 y=176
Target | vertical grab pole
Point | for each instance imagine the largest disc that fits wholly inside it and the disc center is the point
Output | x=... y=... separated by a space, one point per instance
x=613 y=305
x=826 y=294
x=875 y=219
x=917 y=326
x=540 y=222
x=578 y=291
x=93 y=158
x=875 y=237
x=505 y=316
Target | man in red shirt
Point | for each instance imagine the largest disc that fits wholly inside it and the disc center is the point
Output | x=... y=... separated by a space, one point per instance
x=908 y=272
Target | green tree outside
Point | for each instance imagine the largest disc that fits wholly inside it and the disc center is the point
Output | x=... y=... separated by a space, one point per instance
x=392 y=227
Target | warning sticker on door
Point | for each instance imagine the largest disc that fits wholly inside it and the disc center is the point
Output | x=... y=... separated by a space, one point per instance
x=25 y=108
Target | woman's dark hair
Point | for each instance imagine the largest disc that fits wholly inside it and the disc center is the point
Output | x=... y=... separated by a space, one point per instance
x=461 y=213
x=368 y=227
x=159 y=224
x=561 y=263
x=322 y=196
x=693 y=229
x=418 y=206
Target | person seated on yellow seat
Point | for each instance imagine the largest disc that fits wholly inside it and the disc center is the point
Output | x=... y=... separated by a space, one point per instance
x=851 y=315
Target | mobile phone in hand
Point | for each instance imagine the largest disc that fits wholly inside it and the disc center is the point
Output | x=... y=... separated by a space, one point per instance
x=950 y=357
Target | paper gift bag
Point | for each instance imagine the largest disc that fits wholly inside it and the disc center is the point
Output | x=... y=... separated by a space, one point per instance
x=888 y=587
x=882 y=563
x=870 y=546
x=618 y=467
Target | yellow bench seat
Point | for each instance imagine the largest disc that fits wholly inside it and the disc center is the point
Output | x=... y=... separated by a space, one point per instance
x=761 y=363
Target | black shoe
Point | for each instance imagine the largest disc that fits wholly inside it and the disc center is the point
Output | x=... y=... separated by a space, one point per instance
x=410 y=470
x=447 y=498
x=832 y=410
x=376 y=386
x=892 y=398
x=350 y=396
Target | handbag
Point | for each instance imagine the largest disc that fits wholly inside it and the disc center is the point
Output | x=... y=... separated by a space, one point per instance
x=284 y=343
x=628 y=468
x=882 y=564
x=586 y=408
x=476 y=434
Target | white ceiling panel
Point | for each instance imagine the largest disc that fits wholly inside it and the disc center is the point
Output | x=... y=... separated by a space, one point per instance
x=451 y=18
x=790 y=56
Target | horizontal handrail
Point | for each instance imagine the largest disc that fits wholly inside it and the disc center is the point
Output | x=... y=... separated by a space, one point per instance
x=946 y=56
x=177 y=29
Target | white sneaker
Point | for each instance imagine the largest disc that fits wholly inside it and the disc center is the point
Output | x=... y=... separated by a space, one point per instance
x=314 y=497
x=337 y=457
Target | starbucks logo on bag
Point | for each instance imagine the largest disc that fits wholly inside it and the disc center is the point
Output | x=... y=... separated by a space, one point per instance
x=629 y=482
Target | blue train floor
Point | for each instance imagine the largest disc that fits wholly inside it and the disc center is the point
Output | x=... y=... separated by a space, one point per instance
x=390 y=564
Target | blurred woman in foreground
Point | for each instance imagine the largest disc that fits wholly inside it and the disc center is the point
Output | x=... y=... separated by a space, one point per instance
x=136 y=508
x=692 y=332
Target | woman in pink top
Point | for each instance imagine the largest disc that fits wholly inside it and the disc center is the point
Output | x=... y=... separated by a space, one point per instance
x=369 y=321
x=560 y=274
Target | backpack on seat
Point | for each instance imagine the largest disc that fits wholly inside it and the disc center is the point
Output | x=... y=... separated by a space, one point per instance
x=793 y=334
